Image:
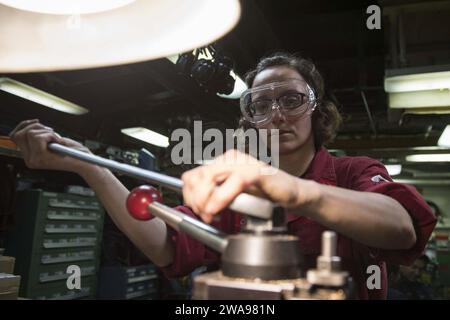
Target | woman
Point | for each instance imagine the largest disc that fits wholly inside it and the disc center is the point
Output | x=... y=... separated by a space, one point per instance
x=377 y=220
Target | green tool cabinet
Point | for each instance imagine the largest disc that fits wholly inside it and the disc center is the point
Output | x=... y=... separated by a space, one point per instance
x=126 y=283
x=53 y=231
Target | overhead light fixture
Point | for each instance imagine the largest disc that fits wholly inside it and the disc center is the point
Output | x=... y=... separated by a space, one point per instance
x=67 y=6
x=112 y=33
x=428 y=148
x=420 y=99
x=438 y=157
x=423 y=87
x=428 y=110
x=147 y=136
x=394 y=169
x=239 y=85
x=418 y=81
x=38 y=96
x=444 y=140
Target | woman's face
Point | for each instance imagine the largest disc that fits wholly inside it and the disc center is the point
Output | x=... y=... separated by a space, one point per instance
x=294 y=132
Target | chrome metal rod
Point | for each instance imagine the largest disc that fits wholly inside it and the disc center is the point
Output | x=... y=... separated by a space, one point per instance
x=244 y=203
x=200 y=231
x=150 y=176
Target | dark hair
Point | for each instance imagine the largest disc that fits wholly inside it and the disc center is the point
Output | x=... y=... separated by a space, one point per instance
x=326 y=118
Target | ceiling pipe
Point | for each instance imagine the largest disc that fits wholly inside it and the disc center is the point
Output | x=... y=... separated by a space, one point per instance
x=401 y=40
x=369 y=114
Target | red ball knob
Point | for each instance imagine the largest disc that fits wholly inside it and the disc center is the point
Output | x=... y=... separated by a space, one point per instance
x=139 y=199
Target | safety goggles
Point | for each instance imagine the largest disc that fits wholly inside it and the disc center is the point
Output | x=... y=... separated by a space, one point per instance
x=293 y=98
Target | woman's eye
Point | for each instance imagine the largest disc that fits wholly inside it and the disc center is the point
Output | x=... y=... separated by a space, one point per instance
x=260 y=107
x=291 y=100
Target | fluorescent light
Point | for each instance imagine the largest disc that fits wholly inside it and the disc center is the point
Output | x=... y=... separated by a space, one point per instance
x=43 y=98
x=418 y=82
x=443 y=157
x=419 y=87
x=428 y=148
x=419 y=99
x=66 y=6
x=147 y=136
x=444 y=140
x=427 y=110
x=394 y=169
x=139 y=31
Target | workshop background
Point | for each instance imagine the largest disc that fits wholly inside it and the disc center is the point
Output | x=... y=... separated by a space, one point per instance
x=50 y=220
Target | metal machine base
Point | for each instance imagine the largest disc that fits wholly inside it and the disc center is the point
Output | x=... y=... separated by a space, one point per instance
x=216 y=286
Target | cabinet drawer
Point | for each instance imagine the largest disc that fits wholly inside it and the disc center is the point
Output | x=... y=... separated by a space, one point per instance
x=68 y=201
x=65 y=256
x=137 y=290
x=69 y=241
x=52 y=274
x=68 y=227
x=73 y=215
x=61 y=292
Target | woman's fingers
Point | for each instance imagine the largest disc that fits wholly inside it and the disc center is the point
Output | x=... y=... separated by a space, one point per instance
x=224 y=194
x=209 y=189
x=40 y=139
x=69 y=142
x=22 y=125
x=22 y=136
x=188 y=189
x=32 y=138
x=202 y=193
x=256 y=191
x=196 y=188
x=39 y=156
x=21 y=133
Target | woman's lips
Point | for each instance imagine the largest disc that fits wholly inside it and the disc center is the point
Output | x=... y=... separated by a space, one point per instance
x=285 y=135
x=282 y=133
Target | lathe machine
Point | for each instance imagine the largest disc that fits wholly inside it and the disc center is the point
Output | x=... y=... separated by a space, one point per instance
x=263 y=261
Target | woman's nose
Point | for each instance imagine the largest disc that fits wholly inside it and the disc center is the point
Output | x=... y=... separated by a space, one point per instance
x=277 y=115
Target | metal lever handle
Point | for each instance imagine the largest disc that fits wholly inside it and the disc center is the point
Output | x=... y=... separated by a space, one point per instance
x=145 y=203
x=243 y=203
x=198 y=230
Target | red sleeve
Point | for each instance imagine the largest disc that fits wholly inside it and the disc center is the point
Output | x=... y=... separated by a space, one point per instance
x=190 y=254
x=371 y=176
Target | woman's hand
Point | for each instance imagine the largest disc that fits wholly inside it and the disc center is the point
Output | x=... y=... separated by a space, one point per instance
x=32 y=139
x=210 y=188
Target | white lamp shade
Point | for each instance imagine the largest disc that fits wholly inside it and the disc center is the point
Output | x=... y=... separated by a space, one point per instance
x=66 y=6
x=137 y=31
